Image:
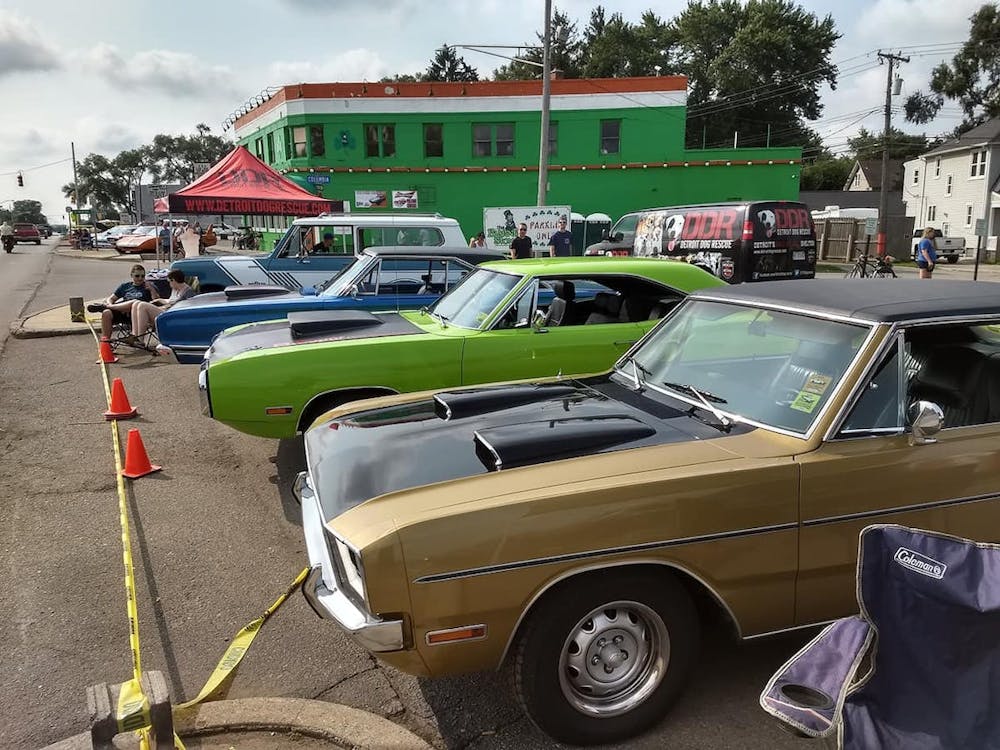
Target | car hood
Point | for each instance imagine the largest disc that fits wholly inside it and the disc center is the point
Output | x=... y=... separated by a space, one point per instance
x=131 y=240
x=220 y=298
x=310 y=328
x=495 y=429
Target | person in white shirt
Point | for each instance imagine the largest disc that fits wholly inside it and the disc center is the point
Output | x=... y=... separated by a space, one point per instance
x=144 y=313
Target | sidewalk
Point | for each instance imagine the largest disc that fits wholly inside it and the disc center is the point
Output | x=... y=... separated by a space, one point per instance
x=52 y=322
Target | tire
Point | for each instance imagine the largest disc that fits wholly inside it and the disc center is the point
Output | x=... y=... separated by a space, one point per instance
x=554 y=678
x=39 y=242
x=952 y=259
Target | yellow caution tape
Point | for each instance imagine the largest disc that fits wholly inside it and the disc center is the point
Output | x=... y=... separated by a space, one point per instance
x=132 y=713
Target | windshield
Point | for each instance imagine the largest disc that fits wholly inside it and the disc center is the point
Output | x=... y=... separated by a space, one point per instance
x=470 y=303
x=765 y=366
x=344 y=278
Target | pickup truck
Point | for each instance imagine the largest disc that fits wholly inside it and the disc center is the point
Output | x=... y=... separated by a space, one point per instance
x=950 y=248
x=27 y=233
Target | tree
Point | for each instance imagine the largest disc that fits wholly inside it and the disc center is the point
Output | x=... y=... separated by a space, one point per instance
x=972 y=78
x=825 y=173
x=25 y=210
x=750 y=66
x=902 y=145
x=173 y=158
x=566 y=49
x=447 y=65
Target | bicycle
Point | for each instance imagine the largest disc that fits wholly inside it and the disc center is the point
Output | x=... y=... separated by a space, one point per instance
x=879 y=267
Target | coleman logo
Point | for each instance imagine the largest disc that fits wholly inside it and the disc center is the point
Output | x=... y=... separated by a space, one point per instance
x=919 y=563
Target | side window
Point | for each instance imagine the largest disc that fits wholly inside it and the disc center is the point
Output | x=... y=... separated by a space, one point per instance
x=370 y=282
x=335 y=240
x=519 y=315
x=375 y=237
x=398 y=276
x=877 y=410
x=419 y=237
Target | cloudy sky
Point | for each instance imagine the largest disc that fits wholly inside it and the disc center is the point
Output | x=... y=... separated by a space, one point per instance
x=110 y=75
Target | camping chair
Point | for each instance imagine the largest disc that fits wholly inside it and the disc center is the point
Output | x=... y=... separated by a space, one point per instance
x=919 y=668
x=121 y=335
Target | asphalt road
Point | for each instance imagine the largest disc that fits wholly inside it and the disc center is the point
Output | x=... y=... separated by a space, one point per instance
x=216 y=537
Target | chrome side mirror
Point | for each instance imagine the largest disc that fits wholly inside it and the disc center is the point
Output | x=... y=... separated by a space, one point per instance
x=538 y=322
x=353 y=291
x=926 y=420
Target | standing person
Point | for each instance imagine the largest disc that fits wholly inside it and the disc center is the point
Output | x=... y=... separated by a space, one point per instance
x=927 y=254
x=165 y=238
x=478 y=241
x=561 y=243
x=521 y=245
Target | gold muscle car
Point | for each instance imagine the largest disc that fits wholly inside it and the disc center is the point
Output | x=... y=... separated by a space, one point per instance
x=578 y=531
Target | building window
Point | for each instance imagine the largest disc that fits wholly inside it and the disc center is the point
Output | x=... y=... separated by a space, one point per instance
x=433 y=139
x=380 y=140
x=611 y=136
x=968 y=215
x=937 y=167
x=931 y=213
x=270 y=148
x=916 y=176
x=553 y=138
x=258 y=148
x=857 y=178
x=497 y=139
x=317 y=146
x=978 y=164
x=295 y=143
x=947 y=185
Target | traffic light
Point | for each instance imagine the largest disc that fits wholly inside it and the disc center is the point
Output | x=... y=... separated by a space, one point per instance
x=20 y=180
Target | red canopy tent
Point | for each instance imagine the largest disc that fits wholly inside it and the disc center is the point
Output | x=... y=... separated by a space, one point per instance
x=242 y=184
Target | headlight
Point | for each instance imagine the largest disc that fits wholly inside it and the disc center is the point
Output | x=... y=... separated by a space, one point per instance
x=349 y=565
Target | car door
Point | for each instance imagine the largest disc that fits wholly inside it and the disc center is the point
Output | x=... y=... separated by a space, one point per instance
x=513 y=348
x=292 y=268
x=870 y=471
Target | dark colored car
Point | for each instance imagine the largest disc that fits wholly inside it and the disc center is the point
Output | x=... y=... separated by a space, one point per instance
x=27 y=233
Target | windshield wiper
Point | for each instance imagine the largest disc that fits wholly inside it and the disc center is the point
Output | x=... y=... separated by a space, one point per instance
x=436 y=315
x=636 y=370
x=706 y=398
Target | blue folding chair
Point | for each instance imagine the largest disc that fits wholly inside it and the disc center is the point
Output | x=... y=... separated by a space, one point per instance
x=919 y=668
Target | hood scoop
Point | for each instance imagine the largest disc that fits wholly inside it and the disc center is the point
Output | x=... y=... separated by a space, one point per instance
x=460 y=404
x=253 y=290
x=326 y=322
x=530 y=443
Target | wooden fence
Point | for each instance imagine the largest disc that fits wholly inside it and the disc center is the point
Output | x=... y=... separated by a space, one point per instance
x=844 y=239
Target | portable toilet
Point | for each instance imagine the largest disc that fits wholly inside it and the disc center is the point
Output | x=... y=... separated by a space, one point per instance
x=593 y=228
x=576 y=227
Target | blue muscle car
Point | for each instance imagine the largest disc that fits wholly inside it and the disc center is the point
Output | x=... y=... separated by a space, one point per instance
x=380 y=278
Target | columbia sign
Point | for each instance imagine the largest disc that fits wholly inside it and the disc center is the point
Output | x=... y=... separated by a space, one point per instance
x=920 y=563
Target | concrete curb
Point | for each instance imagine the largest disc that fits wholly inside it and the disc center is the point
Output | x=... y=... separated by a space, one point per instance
x=337 y=724
x=53 y=321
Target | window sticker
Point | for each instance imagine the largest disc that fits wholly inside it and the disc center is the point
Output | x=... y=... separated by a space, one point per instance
x=817 y=383
x=806 y=402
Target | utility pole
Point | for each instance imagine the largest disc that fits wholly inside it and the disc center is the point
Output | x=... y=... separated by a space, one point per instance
x=76 y=187
x=883 y=199
x=543 y=145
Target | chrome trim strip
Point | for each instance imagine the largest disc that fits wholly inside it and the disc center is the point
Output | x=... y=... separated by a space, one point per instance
x=429 y=633
x=901 y=509
x=645 y=546
x=605 y=566
x=893 y=335
x=702 y=295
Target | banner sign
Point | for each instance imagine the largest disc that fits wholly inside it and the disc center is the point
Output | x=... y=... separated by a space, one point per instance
x=369 y=198
x=180 y=204
x=318 y=179
x=500 y=224
x=404 y=199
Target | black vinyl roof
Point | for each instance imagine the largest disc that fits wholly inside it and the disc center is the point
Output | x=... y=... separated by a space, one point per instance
x=875 y=300
x=473 y=255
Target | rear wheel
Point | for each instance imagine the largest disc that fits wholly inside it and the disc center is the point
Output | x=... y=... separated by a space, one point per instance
x=603 y=657
x=952 y=259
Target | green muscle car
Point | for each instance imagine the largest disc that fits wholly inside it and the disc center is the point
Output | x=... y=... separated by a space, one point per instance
x=505 y=321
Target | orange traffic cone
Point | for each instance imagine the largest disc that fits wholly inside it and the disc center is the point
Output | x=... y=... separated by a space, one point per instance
x=120 y=407
x=107 y=356
x=136 y=461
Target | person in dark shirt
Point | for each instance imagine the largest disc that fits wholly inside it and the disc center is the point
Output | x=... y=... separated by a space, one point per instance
x=561 y=243
x=521 y=245
x=122 y=299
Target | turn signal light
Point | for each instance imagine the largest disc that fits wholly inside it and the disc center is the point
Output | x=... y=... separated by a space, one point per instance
x=277 y=411
x=469 y=633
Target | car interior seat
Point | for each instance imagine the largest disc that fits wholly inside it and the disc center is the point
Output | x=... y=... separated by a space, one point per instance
x=955 y=378
x=810 y=357
x=606 y=308
x=561 y=308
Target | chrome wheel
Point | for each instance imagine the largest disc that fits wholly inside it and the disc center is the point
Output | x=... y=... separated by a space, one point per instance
x=614 y=658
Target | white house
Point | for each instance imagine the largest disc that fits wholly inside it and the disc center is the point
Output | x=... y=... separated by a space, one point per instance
x=954 y=184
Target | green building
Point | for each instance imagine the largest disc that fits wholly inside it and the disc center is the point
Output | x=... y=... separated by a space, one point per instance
x=615 y=145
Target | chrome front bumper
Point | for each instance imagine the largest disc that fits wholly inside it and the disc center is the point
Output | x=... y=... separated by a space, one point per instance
x=323 y=591
x=203 y=397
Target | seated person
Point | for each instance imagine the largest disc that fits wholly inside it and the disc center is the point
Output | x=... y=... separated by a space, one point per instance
x=325 y=247
x=144 y=313
x=123 y=298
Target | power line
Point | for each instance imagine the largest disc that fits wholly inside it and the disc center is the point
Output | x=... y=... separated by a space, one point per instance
x=32 y=169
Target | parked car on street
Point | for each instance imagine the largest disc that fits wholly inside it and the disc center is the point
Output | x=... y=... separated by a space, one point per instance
x=291 y=266
x=511 y=319
x=380 y=278
x=582 y=532
x=142 y=239
x=109 y=237
x=24 y=232
x=224 y=231
x=949 y=248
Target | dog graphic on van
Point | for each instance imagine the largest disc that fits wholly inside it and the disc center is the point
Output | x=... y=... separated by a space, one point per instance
x=672 y=231
x=768 y=221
